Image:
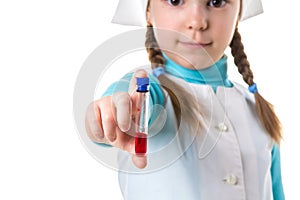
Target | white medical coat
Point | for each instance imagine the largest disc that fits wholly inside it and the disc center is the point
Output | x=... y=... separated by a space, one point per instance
x=229 y=159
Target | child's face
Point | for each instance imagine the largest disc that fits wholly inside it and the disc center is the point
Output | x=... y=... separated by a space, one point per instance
x=198 y=30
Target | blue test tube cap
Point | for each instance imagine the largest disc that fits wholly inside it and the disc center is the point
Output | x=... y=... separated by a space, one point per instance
x=142 y=84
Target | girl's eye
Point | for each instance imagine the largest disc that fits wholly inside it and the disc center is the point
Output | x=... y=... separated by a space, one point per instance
x=175 y=2
x=217 y=3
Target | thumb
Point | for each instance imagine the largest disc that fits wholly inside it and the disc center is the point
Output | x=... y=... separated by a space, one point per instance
x=139 y=161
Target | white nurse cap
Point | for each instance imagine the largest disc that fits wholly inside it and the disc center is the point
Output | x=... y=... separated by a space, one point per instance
x=133 y=12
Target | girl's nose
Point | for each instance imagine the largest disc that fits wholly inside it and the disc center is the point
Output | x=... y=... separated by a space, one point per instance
x=197 y=17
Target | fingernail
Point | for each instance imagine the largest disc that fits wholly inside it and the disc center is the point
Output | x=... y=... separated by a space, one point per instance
x=124 y=127
x=99 y=136
x=112 y=138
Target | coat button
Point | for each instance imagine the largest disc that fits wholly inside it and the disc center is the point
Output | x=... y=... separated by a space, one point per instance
x=230 y=179
x=222 y=127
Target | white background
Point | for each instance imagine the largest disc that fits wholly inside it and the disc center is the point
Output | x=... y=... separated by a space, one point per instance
x=43 y=45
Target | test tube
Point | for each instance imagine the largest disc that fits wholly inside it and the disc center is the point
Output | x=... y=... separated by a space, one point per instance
x=141 y=116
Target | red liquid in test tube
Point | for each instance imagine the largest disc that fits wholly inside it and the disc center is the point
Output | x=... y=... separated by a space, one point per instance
x=141 y=118
x=141 y=143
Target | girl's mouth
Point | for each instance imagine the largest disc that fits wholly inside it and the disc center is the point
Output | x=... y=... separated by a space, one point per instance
x=194 y=44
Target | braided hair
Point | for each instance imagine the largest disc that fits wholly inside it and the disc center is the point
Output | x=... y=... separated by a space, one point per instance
x=265 y=110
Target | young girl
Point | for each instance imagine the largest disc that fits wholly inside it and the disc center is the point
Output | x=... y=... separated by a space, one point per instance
x=212 y=139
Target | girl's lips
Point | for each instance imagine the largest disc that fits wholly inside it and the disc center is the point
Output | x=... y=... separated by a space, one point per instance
x=195 y=44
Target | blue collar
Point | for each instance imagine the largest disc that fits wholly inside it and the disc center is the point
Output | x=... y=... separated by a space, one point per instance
x=215 y=75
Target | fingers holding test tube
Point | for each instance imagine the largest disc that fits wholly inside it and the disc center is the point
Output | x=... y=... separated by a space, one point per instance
x=132 y=118
x=113 y=120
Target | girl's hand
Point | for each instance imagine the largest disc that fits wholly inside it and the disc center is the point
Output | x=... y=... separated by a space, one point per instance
x=109 y=120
